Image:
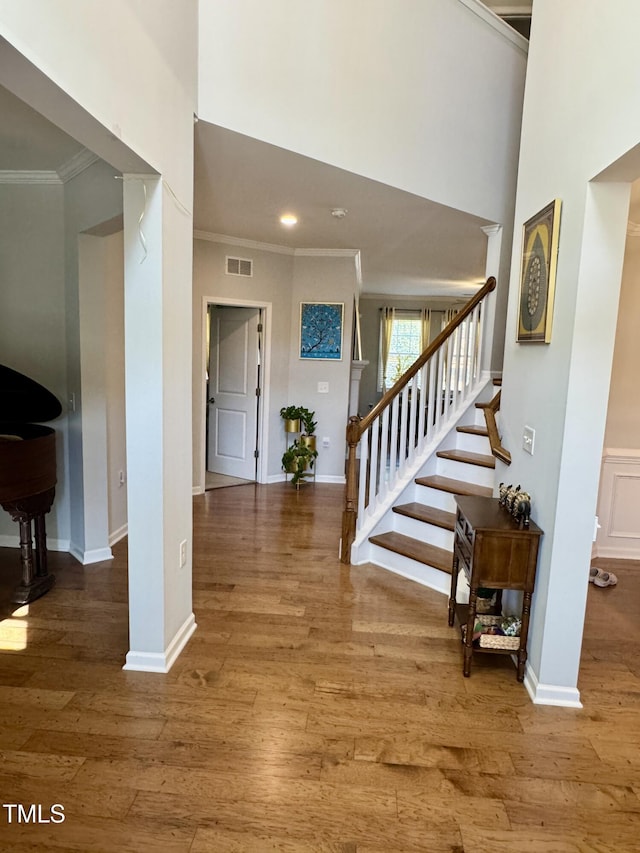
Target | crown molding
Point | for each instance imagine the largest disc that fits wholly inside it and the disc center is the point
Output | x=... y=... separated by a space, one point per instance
x=239 y=241
x=77 y=164
x=326 y=253
x=29 y=176
x=273 y=247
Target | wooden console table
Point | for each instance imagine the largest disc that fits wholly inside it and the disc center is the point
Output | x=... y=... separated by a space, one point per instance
x=495 y=553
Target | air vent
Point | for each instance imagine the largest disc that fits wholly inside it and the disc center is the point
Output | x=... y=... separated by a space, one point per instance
x=239 y=266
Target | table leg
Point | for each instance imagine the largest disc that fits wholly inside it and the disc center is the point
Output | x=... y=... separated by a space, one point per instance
x=468 y=637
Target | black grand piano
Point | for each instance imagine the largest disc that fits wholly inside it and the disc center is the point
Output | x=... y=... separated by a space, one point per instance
x=28 y=473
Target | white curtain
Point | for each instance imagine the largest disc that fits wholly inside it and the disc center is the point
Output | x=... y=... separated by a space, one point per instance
x=388 y=314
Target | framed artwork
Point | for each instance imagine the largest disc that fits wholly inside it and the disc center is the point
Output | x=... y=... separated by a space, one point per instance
x=321 y=330
x=538 y=274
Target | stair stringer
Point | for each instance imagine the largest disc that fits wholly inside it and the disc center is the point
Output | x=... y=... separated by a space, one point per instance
x=404 y=490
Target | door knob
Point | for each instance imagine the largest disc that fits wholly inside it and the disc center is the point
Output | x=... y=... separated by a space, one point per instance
x=212 y=399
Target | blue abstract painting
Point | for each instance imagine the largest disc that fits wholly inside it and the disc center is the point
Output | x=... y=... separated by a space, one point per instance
x=321 y=330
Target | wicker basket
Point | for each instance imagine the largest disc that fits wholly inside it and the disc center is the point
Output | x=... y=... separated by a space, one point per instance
x=493 y=641
x=499 y=641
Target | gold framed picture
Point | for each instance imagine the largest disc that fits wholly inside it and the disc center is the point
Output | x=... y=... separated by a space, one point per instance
x=538 y=274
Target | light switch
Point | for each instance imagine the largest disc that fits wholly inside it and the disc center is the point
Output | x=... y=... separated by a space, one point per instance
x=528 y=439
x=323 y=387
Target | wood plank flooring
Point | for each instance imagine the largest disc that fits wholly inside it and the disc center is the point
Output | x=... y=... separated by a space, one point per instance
x=318 y=708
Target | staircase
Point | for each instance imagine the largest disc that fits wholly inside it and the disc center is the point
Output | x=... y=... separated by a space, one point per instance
x=417 y=534
x=424 y=442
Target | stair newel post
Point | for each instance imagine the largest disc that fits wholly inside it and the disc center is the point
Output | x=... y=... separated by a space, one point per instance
x=351 y=497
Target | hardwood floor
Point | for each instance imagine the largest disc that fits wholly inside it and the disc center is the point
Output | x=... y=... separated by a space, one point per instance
x=318 y=707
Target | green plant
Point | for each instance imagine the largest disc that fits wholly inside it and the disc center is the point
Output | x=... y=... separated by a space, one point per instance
x=297 y=460
x=291 y=413
x=307 y=420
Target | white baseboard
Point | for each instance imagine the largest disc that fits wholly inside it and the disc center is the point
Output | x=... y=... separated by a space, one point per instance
x=11 y=541
x=119 y=534
x=338 y=479
x=550 y=694
x=95 y=555
x=162 y=661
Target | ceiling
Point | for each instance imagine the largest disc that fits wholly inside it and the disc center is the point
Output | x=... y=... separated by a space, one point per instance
x=408 y=245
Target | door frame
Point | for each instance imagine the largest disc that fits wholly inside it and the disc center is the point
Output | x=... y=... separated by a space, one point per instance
x=263 y=408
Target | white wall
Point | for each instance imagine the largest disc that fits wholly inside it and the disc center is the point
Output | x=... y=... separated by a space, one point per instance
x=623 y=413
x=270 y=284
x=619 y=493
x=90 y=198
x=323 y=279
x=578 y=118
x=114 y=381
x=32 y=319
x=424 y=95
x=354 y=84
x=123 y=84
x=281 y=281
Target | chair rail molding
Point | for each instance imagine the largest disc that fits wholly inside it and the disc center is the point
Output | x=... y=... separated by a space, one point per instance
x=619 y=533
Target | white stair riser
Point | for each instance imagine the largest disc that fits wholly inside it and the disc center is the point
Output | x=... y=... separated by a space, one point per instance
x=422 y=531
x=467 y=473
x=435 y=497
x=473 y=443
x=408 y=568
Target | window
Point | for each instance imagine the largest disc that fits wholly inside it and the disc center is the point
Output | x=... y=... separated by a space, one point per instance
x=402 y=333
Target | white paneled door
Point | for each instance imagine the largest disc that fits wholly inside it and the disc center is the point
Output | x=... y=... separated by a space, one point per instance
x=234 y=375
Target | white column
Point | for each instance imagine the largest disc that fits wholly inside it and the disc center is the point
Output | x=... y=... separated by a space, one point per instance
x=158 y=262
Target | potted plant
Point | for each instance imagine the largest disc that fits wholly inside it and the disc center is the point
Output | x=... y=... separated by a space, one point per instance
x=291 y=416
x=308 y=424
x=297 y=459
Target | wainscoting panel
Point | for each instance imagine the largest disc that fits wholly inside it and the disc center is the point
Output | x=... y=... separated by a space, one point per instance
x=618 y=502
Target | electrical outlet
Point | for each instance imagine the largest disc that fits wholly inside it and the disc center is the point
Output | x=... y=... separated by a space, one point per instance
x=326 y=441
x=323 y=387
x=183 y=553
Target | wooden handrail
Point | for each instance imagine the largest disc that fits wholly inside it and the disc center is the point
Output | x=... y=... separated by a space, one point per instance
x=358 y=427
x=490 y=409
x=396 y=388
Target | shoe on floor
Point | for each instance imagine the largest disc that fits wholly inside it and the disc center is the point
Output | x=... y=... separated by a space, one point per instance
x=601 y=578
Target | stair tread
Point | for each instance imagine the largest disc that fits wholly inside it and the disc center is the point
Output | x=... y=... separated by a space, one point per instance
x=480 y=459
x=430 y=555
x=428 y=514
x=456 y=487
x=473 y=430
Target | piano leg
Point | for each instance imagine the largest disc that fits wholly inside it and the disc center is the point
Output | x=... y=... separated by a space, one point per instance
x=41 y=546
x=36 y=579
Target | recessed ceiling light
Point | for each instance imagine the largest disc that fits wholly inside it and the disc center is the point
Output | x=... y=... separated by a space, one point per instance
x=289 y=219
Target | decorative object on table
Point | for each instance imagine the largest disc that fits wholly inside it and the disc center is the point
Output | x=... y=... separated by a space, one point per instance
x=298 y=460
x=503 y=492
x=521 y=508
x=291 y=415
x=538 y=274
x=510 y=498
x=321 y=330
x=517 y=502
